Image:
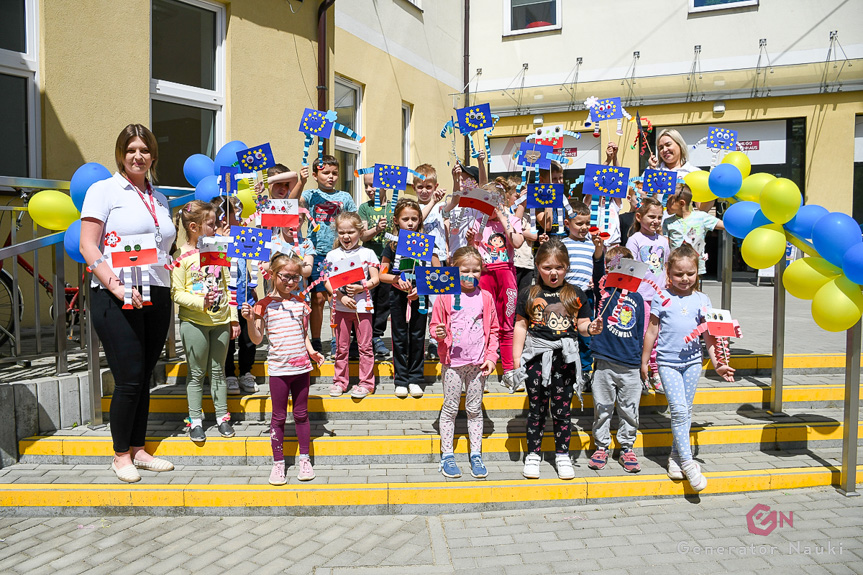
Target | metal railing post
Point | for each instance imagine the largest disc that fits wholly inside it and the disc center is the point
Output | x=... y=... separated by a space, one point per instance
x=778 y=362
x=727 y=269
x=37 y=301
x=60 y=342
x=16 y=300
x=848 y=477
x=93 y=366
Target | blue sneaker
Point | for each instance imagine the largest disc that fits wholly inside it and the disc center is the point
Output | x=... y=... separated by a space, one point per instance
x=448 y=467
x=477 y=467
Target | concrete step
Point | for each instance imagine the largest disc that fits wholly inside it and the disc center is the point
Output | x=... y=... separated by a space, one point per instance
x=417 y=440
x=391 y=488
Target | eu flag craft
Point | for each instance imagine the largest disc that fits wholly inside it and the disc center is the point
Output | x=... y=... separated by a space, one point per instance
x=610 y=181
x=316 y=123
x=540 y=196
x=438 y=280
x=534 y=155
x=250 y=243
x=257 y=158
x=213 y=251
x=606 y=109
x=227 y=181
x=389 y=177
x=281 y=213
x=345 y=272
x=658 y=182
x=474 y=118
x=721 y=138
x=415 y=245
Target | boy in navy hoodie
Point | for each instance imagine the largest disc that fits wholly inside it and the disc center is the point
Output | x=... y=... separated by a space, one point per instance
x=617 y=353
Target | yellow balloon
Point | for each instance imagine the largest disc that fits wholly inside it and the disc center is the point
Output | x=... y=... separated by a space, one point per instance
x=780 y=200
x=740 y=161
x=697 y=182
x=750 y=191
x=247 y=197
x=804 y=277
x=838 y=305
x=53 y=210
x=763 y=247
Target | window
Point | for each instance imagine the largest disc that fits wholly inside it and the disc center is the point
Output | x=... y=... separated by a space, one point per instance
x=187 y=87
x=417 y=3
x=347 y=104
x=406 y=135
x=19 y=94
x=526 y=16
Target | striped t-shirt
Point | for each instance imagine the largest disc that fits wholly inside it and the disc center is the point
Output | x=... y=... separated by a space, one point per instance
x=580 y=261
x=285 y=320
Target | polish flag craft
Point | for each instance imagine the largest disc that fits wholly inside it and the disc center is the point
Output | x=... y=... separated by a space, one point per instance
x=213 y=251
x=345 y=272
x=626 y=275
x=479 y=199
x=281 y=214
x=718 y=323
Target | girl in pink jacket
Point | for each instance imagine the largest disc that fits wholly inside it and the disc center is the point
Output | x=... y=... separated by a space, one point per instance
x=467 y=344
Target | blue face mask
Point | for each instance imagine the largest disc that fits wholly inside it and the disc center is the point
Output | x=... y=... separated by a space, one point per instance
x=469 y=279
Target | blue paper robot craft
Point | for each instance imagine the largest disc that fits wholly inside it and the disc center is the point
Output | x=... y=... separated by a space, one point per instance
x=388 y=177
x=316 y=123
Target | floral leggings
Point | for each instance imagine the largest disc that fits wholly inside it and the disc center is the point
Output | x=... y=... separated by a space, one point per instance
x=471 y=379
x=558 y=395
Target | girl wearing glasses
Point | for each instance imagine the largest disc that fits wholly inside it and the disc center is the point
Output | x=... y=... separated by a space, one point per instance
x=285 y=317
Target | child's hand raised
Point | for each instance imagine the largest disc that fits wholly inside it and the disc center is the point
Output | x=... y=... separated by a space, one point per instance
x=470 y=234
x=439 y=195
x=487 y=367
x=210 y=299
x=597 y=240
x=726 y=372
x=304 y=175
x=352 y=289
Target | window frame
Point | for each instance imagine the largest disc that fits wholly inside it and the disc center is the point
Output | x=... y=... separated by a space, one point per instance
x=407 y=116
x=193 y=96
x=348 y=145
x=26 y=65
x=507 y=20
x=729 y=6
x=417 y=3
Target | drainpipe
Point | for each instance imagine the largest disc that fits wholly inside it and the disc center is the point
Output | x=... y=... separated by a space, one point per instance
x=466 y=74
x=322 y=58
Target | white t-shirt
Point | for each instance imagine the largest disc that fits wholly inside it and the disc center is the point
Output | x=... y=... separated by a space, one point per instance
x=368 y=257
x=116 y=203
x=434 y=225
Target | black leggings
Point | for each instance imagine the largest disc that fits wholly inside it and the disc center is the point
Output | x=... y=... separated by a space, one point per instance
x=408 y=340
x=133 y=340
x=557 y=398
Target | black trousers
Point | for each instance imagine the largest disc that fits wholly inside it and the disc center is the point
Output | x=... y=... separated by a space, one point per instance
x=133 y=340
x=408 y=340
x=247 y=351
x=381 y=301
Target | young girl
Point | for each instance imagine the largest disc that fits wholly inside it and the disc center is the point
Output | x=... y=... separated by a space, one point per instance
x=467 y=342
x=352 y=307
x=679 y=362
x=408 y=334
x=549 y=314
x=648 y=246
x=289 y=356
x=688 y=226
x=207 y=320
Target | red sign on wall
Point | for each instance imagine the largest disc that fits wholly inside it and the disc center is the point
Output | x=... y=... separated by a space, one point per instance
x=569 y=152
x=748 y=145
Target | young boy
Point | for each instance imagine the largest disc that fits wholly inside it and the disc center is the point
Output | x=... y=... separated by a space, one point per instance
x=325 y=203
x=585 y=254
x=429 y=196
x=686 y=225
x=377 y=221
x=617 y=379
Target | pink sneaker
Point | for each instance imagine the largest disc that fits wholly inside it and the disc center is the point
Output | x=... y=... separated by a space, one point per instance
x=306 y=472
x=277 y=475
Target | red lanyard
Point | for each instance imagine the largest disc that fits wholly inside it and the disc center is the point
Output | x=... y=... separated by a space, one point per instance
x=151 y=206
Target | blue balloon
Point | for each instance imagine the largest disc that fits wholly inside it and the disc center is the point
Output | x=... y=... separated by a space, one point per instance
x=196 y=168
x=72 y=242
x=83 y=178
x=227 y=155
x=725 y=180
x=743 y=217
x=207 y=189
x=802 y=223
x=852 y=263
x=833 y=235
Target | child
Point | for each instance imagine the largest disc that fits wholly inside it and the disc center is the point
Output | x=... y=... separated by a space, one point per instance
x=289 y=356
x=288 y=241
x=549 y=314
x=284 y=183
x=651 y=248
x=429 y=196
x=680 y=362
x=352 y=307
x=325 y=203
x=616 y=380
x=228 y=213
x=377 y=222
x=467 y=340
x=688 y=226
x=207 y=321
x=408 y=332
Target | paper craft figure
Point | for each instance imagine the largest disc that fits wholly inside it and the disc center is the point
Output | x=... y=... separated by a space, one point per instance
x=316 y=123
x=544 y=196
x=128 y=253
x=534 y=155
x=718 y=140
x=473 y=119
x=551 y=136
x=605 y=109
x=437 y=281
x=213 y=250
x=281 y=214
x=718 y=323
x=658 y=183
x=250 y=243
x=388 y=177
x=641 y=135
x=415 y=245
x=610 y=181
x=257 y=158
x=484 y=201
x=345 y=272
x=626 y=274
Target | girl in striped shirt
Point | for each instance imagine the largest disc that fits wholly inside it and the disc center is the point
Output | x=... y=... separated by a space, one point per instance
x=285 y=316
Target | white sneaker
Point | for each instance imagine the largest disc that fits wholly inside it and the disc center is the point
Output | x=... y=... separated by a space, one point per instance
x=694 y=476
x=401 y=391
x=674 y=470
x=531 y=466
x=359 y=392
x=506 y=382
x=415 y=390
x=248 y=383
x=233 y=385
x=564 y=466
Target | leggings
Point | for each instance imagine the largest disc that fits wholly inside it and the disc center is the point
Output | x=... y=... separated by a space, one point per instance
x=247 y=351
x=206 y=346
x=470 y=378
x=133 y=340
x=408 y=340
x=500 y=281
x=298 y=387
x=558 y=395
x=680 y=382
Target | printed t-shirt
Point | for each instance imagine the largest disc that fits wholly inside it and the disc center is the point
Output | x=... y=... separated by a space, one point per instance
x=692 y=230
x=285 y=321
x=623 y=341
x=466 y=327
x=433 y=224
x=368 y=257
x=654 y=251
x=549 y=320
x=677 y=320
x=323 y=208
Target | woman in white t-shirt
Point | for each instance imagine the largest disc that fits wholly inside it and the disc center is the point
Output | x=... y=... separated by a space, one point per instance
x=134 y=334
x=674 y=156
